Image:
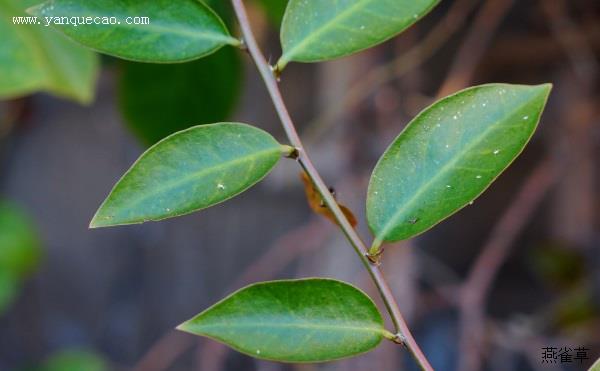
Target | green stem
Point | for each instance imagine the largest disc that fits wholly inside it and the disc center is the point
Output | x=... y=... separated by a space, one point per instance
x=375 y=272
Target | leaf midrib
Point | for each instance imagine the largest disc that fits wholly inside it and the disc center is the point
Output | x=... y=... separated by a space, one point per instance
x=393 y=220
x=318 y=31
x=309 y=326
x=200 y=174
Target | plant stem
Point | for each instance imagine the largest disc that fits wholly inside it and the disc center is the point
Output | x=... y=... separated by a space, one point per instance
x=404 y=335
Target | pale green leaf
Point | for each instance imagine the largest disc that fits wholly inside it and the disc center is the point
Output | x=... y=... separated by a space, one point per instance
x=448 y=155
x=315 y=31
x=34 y=58
x=309 y=320
x=175 y=31
x=188 y=171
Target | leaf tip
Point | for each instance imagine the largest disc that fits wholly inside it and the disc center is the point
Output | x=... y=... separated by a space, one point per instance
x=187 y=327
x=101 y=221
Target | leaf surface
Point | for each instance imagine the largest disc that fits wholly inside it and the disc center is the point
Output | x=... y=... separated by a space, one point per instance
x=314 y=31
x=160 y=99
x=308 y=320
x=188 y=171
x=34 y=58
x=448 y=155
x=177 y=31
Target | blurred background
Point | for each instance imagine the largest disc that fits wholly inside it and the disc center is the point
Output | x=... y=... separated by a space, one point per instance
x=496 y=287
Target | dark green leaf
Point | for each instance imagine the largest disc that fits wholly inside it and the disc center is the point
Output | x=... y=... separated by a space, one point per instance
x=160 y=99
x=310 y=320
x=274 y=9
x=19 y=251
x=75 y=360
x=448 y=155
x=19 y=244
x=314 y=31
x=188 y=171
x=177 y=31
x=34 y=58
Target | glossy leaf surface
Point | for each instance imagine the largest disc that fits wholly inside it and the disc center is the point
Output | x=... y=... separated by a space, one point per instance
x=188 y=171
x=309 y=320
x=34 y=58
x=448 y=155
x=177 y=31
x=315 y=31
x=160 y=99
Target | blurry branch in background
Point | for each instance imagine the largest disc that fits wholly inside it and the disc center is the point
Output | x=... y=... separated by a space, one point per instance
x=574 y=210
x=391 y=70
x=475 y=43
x=165 y=351
x=572 y=39
x=475 y=289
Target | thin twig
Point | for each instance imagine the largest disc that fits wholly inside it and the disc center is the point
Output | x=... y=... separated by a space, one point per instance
x=494 y=253
x=303 y=159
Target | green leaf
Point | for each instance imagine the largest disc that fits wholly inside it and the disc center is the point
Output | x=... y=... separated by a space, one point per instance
x=595 y=366
x=274 y=9
x=19 y=243
x=19 y=251
x=309 y=320
x=314 y=31
x=448 y=155
x=75 y=360
x=34 y=58
x=160 y=99
x=177 y=31
x=188 y=171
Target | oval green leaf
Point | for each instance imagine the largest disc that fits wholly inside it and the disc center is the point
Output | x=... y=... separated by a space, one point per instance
x=314 y=31
x=166 y=31
x=34 y=58
x=448 y=155
x=160 y=99
x=188 y=171
x=308 y=320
